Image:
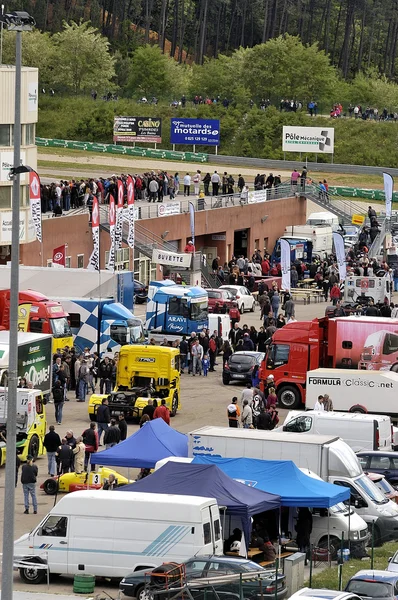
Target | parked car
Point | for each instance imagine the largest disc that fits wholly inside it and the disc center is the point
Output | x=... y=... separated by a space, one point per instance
x=242 y=296
x=140 y=292
x=382 y=462
x=240 y=366
x=72 y=482
x=138 y=583
x=220 y=300
x=374 y=584
x=384 y=486
x=313 y=594
x=393 y=563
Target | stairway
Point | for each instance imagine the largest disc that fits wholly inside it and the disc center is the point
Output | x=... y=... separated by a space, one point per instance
x=339 y=206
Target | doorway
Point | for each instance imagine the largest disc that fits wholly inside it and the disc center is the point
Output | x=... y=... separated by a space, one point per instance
x=240 y=242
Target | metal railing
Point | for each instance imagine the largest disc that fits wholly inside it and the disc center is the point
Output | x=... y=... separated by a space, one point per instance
x=341 y=207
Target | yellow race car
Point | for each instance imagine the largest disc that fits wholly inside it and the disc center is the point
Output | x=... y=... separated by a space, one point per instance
x=72 y=482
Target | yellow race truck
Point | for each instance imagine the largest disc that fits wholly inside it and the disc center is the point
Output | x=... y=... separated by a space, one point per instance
x=143 y=372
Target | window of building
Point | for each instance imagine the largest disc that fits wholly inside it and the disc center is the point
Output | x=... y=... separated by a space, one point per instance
x=5 y=135
x=12 y=135
x=80 y=261
x=122 y=259
x=68 y=261
x=29 y=134
x=5 y=196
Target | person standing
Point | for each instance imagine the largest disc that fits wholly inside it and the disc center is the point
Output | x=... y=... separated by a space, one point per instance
x=103 y=418
x=51 y=443
x=196 y=182
x=83 y=379
x=319 y=404
x=215 y=182
x=105 y=373
x=247 y=415
x=112 y=435
x=289 y=308
x=327 y=403
x=149 y=409
x=212 y=352
x=187 y=184
x=197 y=356
x=64 y=456
x=123 y=427
x=90 y=440
x=162 y=412
x=28 y=480
x=233 y=413
x=58 y=398
x=79 y=454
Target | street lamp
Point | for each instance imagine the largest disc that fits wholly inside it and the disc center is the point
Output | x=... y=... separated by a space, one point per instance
x=17 y=21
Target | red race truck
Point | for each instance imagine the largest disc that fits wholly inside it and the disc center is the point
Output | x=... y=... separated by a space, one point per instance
x=341 y=343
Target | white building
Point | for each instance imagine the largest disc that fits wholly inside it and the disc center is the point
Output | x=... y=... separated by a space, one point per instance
x=29 y=105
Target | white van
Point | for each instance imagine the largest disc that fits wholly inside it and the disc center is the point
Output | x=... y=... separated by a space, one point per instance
x=323 y=218
x=112 y=533
x=361 y=432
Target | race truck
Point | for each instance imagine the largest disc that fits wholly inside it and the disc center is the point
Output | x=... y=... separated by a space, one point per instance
x=143 y=372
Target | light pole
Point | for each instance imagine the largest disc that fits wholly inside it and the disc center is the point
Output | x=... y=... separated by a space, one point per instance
x=17 y=21
x=1 y=36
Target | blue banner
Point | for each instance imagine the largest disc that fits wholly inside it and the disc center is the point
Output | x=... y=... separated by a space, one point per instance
x=205 y=132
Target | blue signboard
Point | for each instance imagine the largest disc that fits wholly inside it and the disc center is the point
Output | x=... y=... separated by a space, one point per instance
x=205 y=132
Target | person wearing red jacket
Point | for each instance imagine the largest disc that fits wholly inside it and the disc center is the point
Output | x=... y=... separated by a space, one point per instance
x=162 y=412
x=189 y=247
x=335 y=293
x=212 y=352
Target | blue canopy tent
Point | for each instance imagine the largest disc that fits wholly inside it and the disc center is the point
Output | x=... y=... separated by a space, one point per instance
x=208 y=481
x=280 y=477
x=155 y=440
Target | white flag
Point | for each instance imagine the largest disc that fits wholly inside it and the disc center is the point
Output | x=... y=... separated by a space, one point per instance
x=388 y=188
x=93 y=263
x=285 y=264
x=338 y=242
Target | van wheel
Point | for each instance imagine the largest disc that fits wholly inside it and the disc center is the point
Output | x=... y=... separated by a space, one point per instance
x=174 y=405
x=358 y=408
x=34 y=446
x=50 y=487
x=334 y=545
x=32 y=575
x=289 y=397
x=143 y=593
x=242 y=309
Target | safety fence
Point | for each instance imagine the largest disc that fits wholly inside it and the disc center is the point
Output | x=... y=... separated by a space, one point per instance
x=352 y=192
x=124 y=150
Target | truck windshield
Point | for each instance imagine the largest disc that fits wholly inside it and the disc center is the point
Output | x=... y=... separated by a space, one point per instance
x=371 y=490
x=199 y=311
x=119 y=334
x=60 y=327
x=136 y=331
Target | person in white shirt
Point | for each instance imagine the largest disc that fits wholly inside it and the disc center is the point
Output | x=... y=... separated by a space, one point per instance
x=187 y=184
x=319 y=404
x=247 y=393
x=196 y=182
x=215 y=180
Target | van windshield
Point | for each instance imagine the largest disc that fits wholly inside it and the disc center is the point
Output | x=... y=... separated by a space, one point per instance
x=339 y=508
x=371 y=490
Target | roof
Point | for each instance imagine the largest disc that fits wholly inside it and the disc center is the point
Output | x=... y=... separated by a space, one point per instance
x=376 y=574
x=378 y=453
x=339 y=416
x=321 y=593
x=24 y=337
x=155 y=440
x=257 y=434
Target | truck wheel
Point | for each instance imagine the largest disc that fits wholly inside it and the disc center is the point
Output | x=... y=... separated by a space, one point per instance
x=34 y=446
x=334 y=545
x=93 y=418
x=50 y=487
x=32 y=575
x=289 y=397
x=358 y=408
x=174 y=405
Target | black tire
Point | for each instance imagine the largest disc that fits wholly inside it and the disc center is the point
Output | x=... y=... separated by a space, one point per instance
x=174 y=405
x=252 y=308
x=140 y=300
x=93 y=418
x=225 y=380
x=394 y=368
x=358 y=408
x=142 y=593
x=289 y=397
x=242 y=309
x=33 y=575
x=34 y=446
x=334 y=545
x=50 y=487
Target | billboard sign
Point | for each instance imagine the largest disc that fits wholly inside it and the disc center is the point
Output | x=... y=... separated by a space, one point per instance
x=205 y=132
x=319 y=140
x=137 y=129
x=34 y=363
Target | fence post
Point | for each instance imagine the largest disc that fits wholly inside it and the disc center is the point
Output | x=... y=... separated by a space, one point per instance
x=373 y=546
x=311 y=559
x=276 y=578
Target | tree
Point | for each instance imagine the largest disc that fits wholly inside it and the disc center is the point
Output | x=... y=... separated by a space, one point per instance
x=219 y=76
x=154 y=74
x=83 y=59
x=285 y=68
x=37 y=51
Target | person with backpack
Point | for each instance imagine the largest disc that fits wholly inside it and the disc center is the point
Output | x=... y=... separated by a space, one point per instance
x=59 y=397
x=233 y=413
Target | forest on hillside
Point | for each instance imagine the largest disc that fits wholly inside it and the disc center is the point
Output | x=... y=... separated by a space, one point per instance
x=358 y=35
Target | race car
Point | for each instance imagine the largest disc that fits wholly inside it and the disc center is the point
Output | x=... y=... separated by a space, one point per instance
x=72 y=482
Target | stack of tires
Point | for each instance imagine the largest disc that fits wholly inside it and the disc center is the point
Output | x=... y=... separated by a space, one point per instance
x=84 y=584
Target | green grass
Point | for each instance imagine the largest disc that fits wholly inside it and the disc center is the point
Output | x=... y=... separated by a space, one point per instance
x=329 y=578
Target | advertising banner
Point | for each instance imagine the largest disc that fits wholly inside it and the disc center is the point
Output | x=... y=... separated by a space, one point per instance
x=205 y=132
x=93 y=263
x=7 y=163
x=318 y=140
x=112 y=219
x=388 y=190
x=162 y=257
x=137 y=129
x=285 y=265
x=257 y=196
x=172 y=208
x=59 y=257
x=34 y=363
x=23 y=316
x=130 y=211
x=358 y=220
x=119 y=215
x=35 y=203
x=338 y=242
x=192 y=221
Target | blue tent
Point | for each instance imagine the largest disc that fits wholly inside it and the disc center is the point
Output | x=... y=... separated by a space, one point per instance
x=155 y=440
x=208 y=481
x=280 y=477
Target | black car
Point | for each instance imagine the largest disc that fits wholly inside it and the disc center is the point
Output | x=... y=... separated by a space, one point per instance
x=140 y=584
x=240 y=366
x=140 y=292
x=378 y=461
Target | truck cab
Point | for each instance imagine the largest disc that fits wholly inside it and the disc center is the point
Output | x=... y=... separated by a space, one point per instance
x=362 y=289
x=143 y=372
x=31 y=423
